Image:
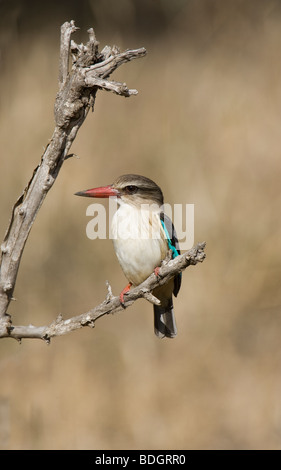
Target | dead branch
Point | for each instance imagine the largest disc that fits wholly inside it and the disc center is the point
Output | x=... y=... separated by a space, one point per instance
x=77 y=91
x=111 y=304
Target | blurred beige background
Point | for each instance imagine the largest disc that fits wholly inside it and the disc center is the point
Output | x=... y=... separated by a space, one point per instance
x=206 y=127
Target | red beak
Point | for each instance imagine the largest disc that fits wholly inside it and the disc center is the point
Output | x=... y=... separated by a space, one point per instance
x=103 y=191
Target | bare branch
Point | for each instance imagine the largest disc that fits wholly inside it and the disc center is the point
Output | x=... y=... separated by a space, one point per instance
x=115 y=59
x=116 y=87
x=111 y=304
x=77 y=92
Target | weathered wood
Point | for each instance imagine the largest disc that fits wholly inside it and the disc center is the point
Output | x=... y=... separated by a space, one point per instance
x=77 y=91
x=111 y=304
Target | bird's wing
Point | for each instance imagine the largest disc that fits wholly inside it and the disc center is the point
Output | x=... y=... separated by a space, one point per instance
x=173 y=243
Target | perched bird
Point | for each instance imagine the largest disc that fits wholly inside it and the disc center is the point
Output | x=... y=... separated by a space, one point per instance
x=142 y=236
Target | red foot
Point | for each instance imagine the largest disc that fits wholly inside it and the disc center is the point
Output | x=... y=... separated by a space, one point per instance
x=124 y=291
x=156 y=271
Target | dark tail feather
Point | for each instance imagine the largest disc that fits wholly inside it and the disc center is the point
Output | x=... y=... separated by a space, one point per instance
x=164 y=321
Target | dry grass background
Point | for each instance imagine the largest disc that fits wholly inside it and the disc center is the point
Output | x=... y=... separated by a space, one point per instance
x=206 y=127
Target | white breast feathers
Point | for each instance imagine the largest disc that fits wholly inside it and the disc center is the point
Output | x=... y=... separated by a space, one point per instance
x=139 y=241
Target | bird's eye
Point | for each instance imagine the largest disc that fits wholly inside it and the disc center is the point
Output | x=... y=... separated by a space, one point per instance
x=131 y=189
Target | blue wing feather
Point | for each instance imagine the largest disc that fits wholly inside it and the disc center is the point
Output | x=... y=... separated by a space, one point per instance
x=173 y=243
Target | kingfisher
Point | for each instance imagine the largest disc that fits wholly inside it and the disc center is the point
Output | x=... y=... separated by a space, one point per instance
x=142 y=237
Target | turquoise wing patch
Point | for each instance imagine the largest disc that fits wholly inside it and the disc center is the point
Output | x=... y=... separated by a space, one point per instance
x=171 y=246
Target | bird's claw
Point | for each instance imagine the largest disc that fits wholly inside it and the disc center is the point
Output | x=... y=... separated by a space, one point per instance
x=124 y=291
x=156 y=271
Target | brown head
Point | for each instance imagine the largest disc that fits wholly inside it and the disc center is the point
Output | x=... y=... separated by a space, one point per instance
x=131 y=189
